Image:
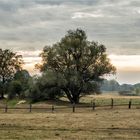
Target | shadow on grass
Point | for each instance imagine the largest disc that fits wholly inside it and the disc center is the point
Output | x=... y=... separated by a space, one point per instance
x=61 y=102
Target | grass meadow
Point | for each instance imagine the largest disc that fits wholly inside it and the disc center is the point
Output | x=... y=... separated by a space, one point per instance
x=101 y=124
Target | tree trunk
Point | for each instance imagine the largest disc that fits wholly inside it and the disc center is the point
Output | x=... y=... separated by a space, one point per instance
x=2 y=95
x=76 y=98
x=69 y=96
x=73 y=97
x=3 y=88
x=2 y=92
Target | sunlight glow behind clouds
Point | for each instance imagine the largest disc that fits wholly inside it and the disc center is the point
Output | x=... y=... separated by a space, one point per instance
x=121 y=62
x=126 y=62
x=128 y=68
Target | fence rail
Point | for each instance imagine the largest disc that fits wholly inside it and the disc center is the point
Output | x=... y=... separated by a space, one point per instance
x=74 y=107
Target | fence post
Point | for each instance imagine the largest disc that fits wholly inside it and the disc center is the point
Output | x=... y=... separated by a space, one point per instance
x=130 y=103
x=112 y=102
x=52 y=108
x=6 y=108
x=93 y=105
x=73 y=107
x=30 y=108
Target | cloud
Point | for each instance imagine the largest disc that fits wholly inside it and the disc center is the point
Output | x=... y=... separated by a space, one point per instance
x=31 y=53
x=128 y=68
x=129 y=77
x=86 y=15
x=29 y=25
x=126 y=62
x=138 y=11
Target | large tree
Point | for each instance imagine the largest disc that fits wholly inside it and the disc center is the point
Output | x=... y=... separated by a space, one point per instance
x=10 y=62
x=76 y=63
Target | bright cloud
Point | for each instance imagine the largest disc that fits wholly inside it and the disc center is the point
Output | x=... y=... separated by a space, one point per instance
x=33 y=54
x=126 y=62
x=138 y=11
x=86 y=15
x=128 y=68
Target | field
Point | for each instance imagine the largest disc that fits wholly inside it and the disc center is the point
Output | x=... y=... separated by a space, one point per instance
x=100 y=124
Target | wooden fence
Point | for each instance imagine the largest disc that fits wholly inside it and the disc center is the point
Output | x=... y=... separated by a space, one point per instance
x=73 y=107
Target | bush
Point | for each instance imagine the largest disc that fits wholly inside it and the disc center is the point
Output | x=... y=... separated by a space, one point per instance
x=127 y=93
x=15 y=89
x=40 y=90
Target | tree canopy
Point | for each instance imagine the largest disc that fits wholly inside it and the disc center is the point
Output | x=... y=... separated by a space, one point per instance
x=10 y=62
x=77 y=63
x=44 y=88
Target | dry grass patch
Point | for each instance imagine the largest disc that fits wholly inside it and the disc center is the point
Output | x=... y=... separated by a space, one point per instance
x=100 y=125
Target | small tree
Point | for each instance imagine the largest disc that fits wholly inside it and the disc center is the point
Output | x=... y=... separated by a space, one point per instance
x=15 y=89
x=10 y=62
x=76 y=62
x=23 y=76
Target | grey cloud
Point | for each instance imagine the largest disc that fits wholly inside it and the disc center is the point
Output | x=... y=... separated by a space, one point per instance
x=30 y=24
x=128 y=77
x=59 y=2
x=134 y=3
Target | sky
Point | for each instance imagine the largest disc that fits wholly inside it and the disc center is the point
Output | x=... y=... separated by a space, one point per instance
x=26 y=26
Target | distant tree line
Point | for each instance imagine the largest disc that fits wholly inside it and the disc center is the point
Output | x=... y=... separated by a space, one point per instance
x=72 y=67
x=122 y=89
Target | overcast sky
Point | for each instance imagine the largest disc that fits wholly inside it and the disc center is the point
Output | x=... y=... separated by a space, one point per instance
x=27 y=26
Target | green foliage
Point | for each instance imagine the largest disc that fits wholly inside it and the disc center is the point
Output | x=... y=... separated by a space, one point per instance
x=43 y=88
x=15 y=89
x=23 y=76
x=111 y=85
x=75 y=63
x=137 y=91
x=12 y=102
x=10 y=62
x=19 y=85
x=91 y=87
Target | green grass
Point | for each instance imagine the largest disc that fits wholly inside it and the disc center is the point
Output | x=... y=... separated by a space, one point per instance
x=13 y=102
